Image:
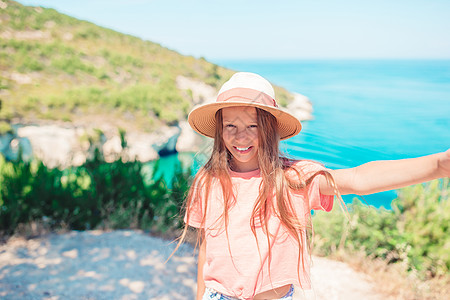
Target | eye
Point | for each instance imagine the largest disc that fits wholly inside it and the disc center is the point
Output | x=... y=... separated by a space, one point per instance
x=253 y=126
x=229 y=127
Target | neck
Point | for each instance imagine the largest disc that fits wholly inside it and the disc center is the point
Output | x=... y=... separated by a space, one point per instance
x=242 y=168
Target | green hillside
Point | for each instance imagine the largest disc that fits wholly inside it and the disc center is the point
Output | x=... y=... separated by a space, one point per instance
x=56 y=67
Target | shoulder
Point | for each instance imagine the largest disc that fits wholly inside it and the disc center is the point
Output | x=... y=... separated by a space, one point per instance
x=301 y=172
x=203 y=180
x=305 y=163
x=199 y=182
x=303 y=166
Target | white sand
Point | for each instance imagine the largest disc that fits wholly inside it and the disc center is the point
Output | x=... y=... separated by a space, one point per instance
x=130 y=265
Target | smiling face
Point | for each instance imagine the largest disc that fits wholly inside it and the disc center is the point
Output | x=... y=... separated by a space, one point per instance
x=240 y=135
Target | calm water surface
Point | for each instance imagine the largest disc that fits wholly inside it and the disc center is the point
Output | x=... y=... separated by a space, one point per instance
x=364 y=110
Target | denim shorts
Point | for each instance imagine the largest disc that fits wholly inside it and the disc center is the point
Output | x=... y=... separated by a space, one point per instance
x=213 y=295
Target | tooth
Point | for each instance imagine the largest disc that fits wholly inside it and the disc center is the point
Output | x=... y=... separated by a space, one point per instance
x=242 y=149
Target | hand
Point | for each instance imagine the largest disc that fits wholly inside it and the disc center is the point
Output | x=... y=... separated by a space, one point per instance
x=444 y=164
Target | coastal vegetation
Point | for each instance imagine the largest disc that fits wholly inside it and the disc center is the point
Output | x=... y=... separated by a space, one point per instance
x=97 y=194
x=410 y=243
x=58 y=68
x=412 y=238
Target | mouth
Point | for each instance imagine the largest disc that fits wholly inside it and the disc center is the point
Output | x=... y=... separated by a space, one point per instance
x=243 y=150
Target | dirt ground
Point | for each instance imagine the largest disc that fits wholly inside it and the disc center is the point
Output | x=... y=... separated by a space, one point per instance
x=129 y=264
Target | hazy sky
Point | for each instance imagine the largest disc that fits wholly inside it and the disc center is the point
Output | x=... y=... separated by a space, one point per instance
x=284 y=29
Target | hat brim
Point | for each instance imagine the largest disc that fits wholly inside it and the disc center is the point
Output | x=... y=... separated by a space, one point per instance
x=203 y=118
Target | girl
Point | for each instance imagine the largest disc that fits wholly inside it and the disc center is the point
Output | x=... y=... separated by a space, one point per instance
x=252 y=206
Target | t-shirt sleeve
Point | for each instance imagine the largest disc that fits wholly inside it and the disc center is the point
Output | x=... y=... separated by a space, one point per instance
x=195 y=209
x=317 y=201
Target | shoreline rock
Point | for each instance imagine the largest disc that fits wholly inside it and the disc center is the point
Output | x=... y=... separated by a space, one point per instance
x=301 y=107
x=63 y=145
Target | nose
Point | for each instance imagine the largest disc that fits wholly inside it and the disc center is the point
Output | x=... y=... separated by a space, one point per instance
x=244 y=134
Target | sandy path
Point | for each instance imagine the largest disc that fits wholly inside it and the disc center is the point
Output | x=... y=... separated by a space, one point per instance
x=130 y=265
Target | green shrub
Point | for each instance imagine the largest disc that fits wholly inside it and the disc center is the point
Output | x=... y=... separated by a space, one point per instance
x=30 y=64
x=414 y=233
x=71 y=65
x=5 y=127
x=30 y=191
x=95 y=195
x=89 y=32
x=424 y=214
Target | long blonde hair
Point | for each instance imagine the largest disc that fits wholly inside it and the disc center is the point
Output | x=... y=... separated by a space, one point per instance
x=275 y=181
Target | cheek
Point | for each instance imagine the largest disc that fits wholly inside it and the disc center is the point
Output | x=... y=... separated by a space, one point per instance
x=227 y=136
x=254 y=135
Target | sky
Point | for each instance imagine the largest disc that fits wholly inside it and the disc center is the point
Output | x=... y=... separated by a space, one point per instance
x=284 y=29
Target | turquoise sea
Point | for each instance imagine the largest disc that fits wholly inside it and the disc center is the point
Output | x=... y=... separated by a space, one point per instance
x=364 y=110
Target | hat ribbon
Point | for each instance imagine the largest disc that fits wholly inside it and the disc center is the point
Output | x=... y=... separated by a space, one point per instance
x=247 y=95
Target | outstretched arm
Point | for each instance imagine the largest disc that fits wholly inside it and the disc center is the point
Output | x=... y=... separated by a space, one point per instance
x=378 y=176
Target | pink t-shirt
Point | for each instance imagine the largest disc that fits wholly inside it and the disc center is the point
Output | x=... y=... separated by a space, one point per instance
x=234 y=264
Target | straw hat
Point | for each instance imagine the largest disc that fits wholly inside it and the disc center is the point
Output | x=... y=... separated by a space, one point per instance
x=244 y=89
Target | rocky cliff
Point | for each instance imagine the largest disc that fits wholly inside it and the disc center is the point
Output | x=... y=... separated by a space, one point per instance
x=68 y=85
x=63 y=144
